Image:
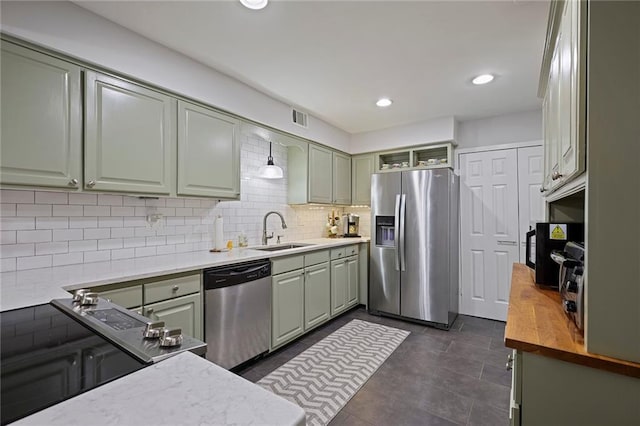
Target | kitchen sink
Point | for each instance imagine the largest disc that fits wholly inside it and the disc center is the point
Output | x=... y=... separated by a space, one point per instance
x=282 y=247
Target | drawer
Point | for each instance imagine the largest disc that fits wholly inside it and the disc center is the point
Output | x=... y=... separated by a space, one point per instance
x=172 y=287
x=127 y=297
x=340 y=252
x=316 y=257
x=286 y=264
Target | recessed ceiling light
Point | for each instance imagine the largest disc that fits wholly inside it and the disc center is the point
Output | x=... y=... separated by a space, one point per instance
x=384 y=102
x=254 y=4
x=482 y=79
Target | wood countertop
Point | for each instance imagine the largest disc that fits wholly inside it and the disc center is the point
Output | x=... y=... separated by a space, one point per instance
x=537 y=323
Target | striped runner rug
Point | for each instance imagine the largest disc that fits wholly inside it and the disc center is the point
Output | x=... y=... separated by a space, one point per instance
x=325 y=377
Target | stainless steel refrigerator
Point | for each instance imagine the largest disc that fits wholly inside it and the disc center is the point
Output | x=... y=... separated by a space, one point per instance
x=414 y=245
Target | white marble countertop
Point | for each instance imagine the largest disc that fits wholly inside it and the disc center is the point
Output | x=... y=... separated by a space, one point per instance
x=183 y=390
x=35 y=286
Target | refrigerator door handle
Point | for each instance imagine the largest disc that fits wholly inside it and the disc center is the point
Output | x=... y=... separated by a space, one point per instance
x=403 y=203
x=396 y=229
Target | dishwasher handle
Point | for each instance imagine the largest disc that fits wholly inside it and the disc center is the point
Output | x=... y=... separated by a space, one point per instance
x=235 y=274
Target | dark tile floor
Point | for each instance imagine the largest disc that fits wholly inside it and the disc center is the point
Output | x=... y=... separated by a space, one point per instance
x=434 y=377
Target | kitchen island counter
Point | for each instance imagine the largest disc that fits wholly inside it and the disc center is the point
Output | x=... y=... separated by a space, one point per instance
x=35 y=286
x=185 y=389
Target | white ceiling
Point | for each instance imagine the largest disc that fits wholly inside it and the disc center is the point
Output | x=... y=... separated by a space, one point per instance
x=333 y=59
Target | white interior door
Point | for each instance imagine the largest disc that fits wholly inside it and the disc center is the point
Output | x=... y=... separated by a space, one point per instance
x=489 y=231
x=530 y=202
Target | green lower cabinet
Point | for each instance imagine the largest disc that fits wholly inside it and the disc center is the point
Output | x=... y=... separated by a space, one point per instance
x=317 y=295
x=353 y=282
x=339 y=280
x=184 y=312
x=287 y=315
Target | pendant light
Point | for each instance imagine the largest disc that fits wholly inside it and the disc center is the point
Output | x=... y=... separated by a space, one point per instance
x=270 y=171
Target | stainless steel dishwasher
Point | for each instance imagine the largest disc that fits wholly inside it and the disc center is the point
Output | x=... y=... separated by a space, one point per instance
x=237 y=312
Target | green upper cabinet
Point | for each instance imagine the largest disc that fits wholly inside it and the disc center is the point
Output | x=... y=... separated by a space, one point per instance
x=320 y=175
x=208 y=152
x=362 y=167
x=41 y=120
x=341 y=178
x=130 y=137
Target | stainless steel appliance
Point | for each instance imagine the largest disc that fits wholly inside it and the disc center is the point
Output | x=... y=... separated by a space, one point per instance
x=541 y=241
x=237 y=312
x=350 y=225
x=414 y=247
x=571 y=279
x=52 y=352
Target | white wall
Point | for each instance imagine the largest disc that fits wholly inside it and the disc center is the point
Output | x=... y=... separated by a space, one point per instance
x=425 y=132
x=72 y=30
x=508 y=128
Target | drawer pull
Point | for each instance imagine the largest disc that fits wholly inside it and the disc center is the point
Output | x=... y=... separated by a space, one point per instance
x=175 y=288
x=150 y=311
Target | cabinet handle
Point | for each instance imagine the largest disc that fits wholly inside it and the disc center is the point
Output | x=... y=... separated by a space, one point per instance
x=543 y=189
x=509 y=362
x=91 y=183
x=73 y=182
x=556 y=176
x=175 y=288
x=150 y=311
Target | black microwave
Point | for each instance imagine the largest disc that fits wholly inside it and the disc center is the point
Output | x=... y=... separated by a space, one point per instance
x=541 y=241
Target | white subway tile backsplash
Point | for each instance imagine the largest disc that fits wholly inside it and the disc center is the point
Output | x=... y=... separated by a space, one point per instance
x=96 y=234
x=83 y=222
x=41 y=236
x=11 y=196
x=17 y=250
x=7 y=237
x=145 y=251
x=109 y=200
x=97 y=256
x=52 y=222
x=33 y=210
x=97 y=211
x=62 y=210
x=98 y=227
x=110 y=244
x=68 y=259
x=88 y=199
x=127 y=253
x=110 y=222
x=52 y=248
x=7 y=209
x=34 y=262
x=84 y=245
x=52 y=198
x=122 y=211
x=68 y=234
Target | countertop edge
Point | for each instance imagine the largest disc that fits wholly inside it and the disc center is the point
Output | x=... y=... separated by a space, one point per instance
x=571 y=350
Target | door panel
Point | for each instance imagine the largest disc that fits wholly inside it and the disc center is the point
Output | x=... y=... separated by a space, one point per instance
x=317 y=295
x=384 y=285
x=530 y=202
x=352 y=281
x=184 y=312
x=425 y=279
x=339 y=283
x=320 y=175
x=341 y=178
x=489 y=231
x=287 y=315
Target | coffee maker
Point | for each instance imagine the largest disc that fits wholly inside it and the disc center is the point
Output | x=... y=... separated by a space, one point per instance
x=350 y=225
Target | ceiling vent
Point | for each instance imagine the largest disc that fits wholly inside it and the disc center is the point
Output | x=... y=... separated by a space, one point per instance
x=300 y=118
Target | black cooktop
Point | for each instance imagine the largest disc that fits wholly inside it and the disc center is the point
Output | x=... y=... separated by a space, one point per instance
x=47 y=357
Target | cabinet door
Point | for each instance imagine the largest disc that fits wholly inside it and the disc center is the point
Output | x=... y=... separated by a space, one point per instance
x=184 y=312
x=361 y=171
x=127 y=297
x=339 y=282
x=287 y=315
x=208 y=152
x=129 y=137
x=320 y=175
x=341 y=178
x=352 y=280
x=317 y=294
x=41 y=120
x=554 y=120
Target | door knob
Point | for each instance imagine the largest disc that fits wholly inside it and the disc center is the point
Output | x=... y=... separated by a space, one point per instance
x=73 y=182
x=91 y=183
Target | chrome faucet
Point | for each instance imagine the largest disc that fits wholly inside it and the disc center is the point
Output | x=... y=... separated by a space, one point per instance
x=266 y=237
